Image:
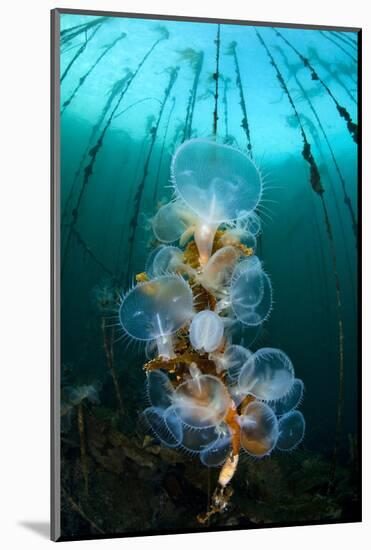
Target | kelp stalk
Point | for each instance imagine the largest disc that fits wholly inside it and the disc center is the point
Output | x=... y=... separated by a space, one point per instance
x=69 y=34
x=112 y=94
x=88 y=252
x=347 y=200
x=120 y=255
x=333 y=73
x=226 y=82
x=194 y=95
x=244 y=124
x=333 y=41
x=216 y=78
x=339 y=414
x=157 y=179
x=83 y=455
x=135 y=104
x=316 y=185
x=108 y=337
x=90 y=70
x=79 y=52
x=88 y=171
x=196 y=59
x=352 y=127
x=138 y=196
x=346 y=39
x=315 y=179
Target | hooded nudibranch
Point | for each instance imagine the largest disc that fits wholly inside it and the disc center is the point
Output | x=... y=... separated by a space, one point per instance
x=217 y=272
x=232 y=360
x=243 y=231
x=206 y=331
x=156 y=309
x=268 y=374
x=259 y=429
x=202 y=401
x=291 y=400
x=209 y=395
x=218 y=183
x=171 y=221
x=251 y=293
x=165 y=260
x=291 y=430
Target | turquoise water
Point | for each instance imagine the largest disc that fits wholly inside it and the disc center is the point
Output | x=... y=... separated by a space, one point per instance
x=122 y=117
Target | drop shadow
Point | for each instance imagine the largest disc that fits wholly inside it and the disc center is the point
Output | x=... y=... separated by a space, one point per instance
x=42 y=528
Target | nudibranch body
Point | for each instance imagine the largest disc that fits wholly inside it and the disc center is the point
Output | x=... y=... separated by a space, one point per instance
x=216 y=273
x=209 y=394
x=218 y=183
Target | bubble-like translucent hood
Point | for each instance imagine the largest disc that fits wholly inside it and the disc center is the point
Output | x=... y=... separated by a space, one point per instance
x=156 y=308
x=216 y=181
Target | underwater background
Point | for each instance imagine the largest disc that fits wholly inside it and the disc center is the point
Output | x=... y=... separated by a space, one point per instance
x=132 y=91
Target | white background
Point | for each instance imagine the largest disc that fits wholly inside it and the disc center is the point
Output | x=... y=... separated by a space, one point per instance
x=24 y=269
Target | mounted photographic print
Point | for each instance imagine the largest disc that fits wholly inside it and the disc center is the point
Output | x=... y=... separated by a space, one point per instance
x=205 y=192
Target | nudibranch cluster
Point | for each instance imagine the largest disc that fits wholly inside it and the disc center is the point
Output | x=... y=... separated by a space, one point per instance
x=209 y=395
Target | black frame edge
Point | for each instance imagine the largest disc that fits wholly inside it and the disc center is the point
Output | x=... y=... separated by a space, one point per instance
x=216 y=20
x=55 y=528
x=359 y=270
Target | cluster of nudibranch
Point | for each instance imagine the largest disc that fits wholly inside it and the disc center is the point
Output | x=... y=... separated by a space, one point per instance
x=208 y=394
